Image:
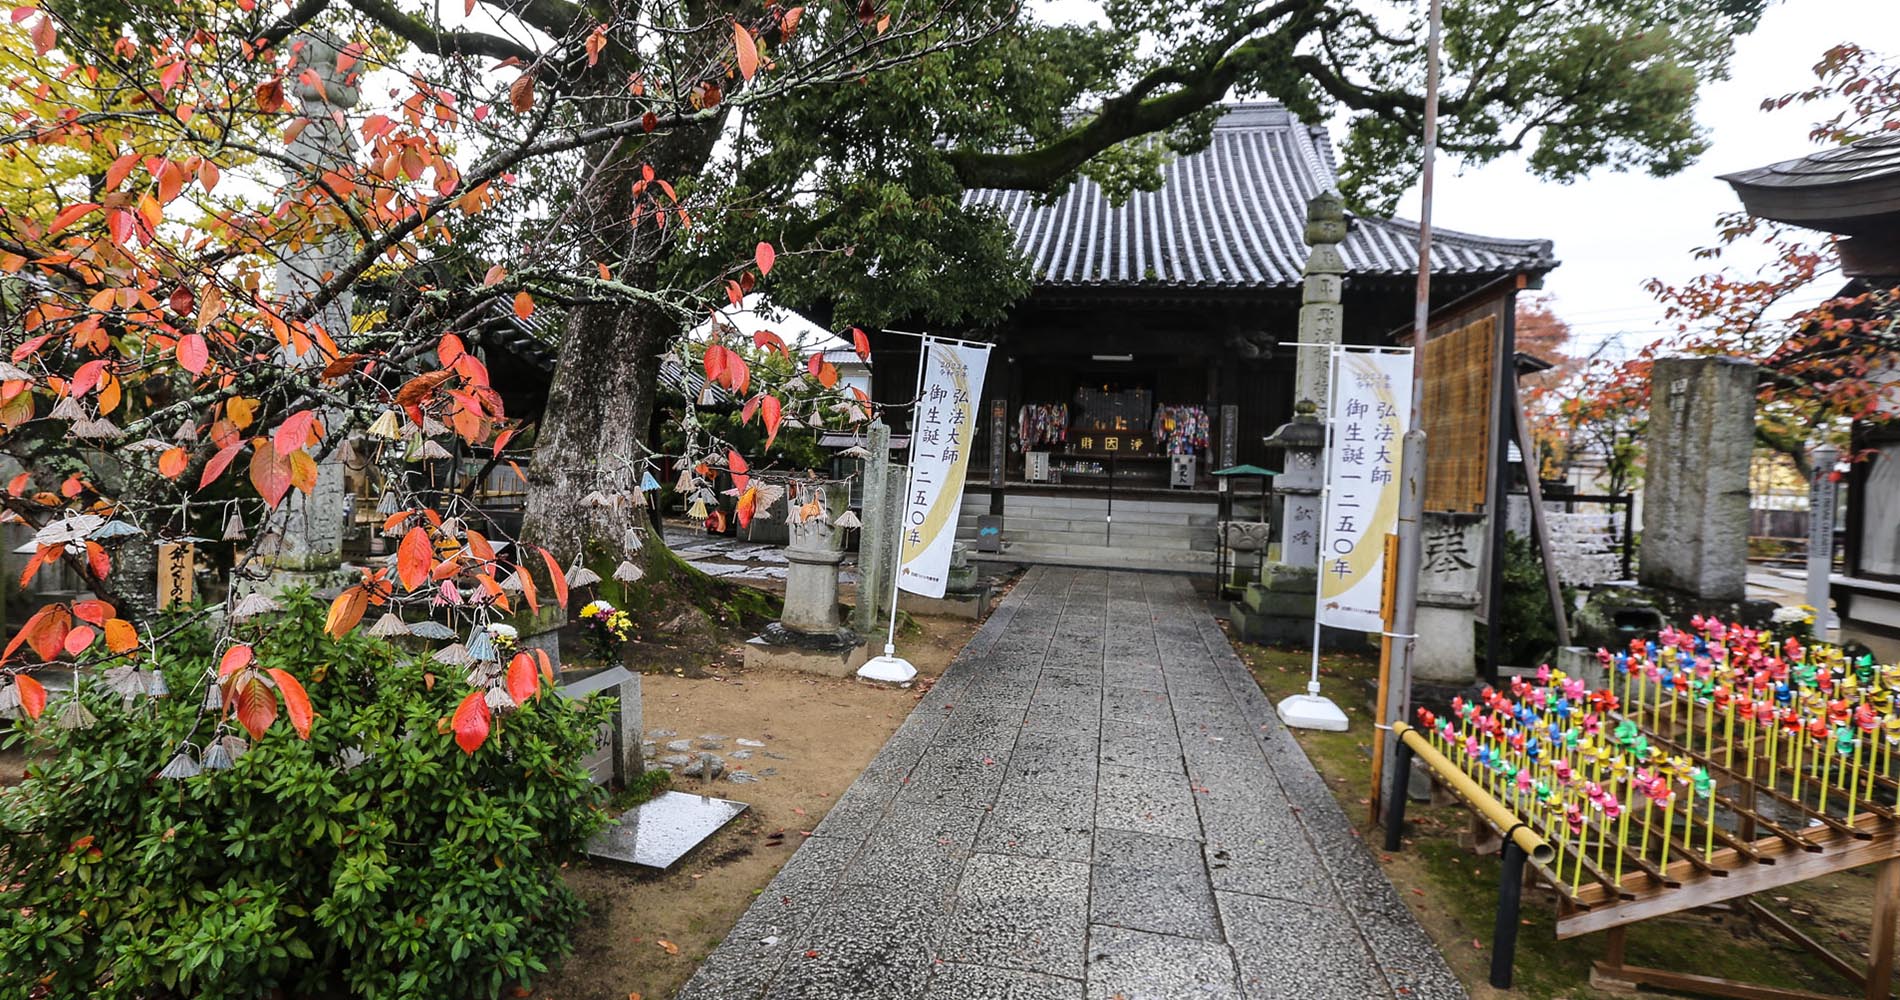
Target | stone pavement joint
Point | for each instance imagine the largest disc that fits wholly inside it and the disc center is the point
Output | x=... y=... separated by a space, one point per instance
x=1094 y=802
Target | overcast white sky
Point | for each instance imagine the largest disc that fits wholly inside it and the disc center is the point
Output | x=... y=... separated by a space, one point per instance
x=1614 y=231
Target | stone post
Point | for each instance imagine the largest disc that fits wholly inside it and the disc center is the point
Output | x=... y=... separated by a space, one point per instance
x=1701 y=441
x=809 y=634
x=1446 y=652
x=305 y=536
x=871 y=566
x=1821 y=503
x=1322 y=319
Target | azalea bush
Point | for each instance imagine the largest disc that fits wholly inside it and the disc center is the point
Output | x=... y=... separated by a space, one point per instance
x=374 y=858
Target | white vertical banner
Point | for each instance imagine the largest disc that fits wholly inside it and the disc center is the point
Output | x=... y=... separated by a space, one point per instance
x=942 y=429
x=1370 y=402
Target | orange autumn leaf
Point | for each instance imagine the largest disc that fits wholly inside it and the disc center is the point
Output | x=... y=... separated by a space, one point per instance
x=346 y=611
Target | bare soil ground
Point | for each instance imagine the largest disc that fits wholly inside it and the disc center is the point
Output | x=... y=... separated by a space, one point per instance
x=646 y=931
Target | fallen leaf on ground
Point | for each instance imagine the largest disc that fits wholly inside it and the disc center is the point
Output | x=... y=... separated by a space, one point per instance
x=667 y=946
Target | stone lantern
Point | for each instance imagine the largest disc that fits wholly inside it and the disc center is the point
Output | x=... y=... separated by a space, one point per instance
x=810 y=634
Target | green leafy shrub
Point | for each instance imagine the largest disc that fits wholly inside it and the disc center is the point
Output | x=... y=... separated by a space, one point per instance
x=1527 y=629
x=420 y=871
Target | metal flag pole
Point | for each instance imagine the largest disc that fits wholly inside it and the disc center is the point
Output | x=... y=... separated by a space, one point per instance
x=1313 y=710
x=1403 y=631
x=890 y=667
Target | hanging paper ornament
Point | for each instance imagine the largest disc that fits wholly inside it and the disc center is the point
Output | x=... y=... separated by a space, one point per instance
x=114 y=530
x=10 y=372
x=388 y=504
x=67 y=409
x=453 y=655
x=578 y=575
x=432 y=630
x=214 y=697
x=639 y=498
x=155 y=685
x=631 y=541
x=75 y=715
x=97 y=430
x=388 y=625
x=128 y=680
x=252 y=605
x=627 y=572
x=186 y=431
x=596 y=500
x=431 y=427
x=217 y=758
x=855 y=451
x=647 y=482
x=697 y=511
x=9 y=701
x=498 y=699
x=236 y=746
x=481 y=645
x=430 y=450
x=848 y=519
x=513 y=584
x=769 y=494
x=234 y=528
x=182 y=766
x=385 y=426
x=346 y=453
x=447 y=594
x=685 y=482
x=350 y=757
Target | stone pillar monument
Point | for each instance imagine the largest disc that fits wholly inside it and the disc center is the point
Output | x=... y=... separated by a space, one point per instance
x=1448 y=582
x=303 y=540
x=871 y=538
x=1322 y=318
x=1695 y=505
x=1280 y=607
x=810 y=634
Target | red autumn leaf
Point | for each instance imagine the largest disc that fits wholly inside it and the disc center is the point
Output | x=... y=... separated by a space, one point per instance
x=218 y=463
x=523 y=679
x=772 y=414
x=32 y=695
x=715 y=362
x=827 y=375
x=521 y=93
x=193 y=353
x=555 y=574
x=45 y=631
x=94 y=611
x=256 y=707
x=748 y=50
x=271 y=473
x=862 y=343
x=764 y=256
x=747 y=505
x=470 y=722
x=235 y=659
x=449 y=350
x=296 y=701
x=524 y=305
x=346 y=611
x=78 y=639
x=528 y=592
x=70 y=214
x=495 y=275
x=414 y=557
x=98 y=561
x=294 y=431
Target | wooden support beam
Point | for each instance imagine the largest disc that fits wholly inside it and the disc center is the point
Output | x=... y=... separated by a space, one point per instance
x=1880 y=941
x=1711 y=986
x=1848 y=970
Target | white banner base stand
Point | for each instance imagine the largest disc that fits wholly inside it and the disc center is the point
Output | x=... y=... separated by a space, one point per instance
x=888 y=668
x=1312 y=711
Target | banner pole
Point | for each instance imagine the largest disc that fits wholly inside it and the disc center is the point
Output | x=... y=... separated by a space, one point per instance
x=890 y=667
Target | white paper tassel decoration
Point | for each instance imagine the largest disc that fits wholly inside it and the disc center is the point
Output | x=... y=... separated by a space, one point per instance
x=847 y=520
x=214 y=698
x=386 y=426
x=499 y=699
x=388 y=625
x=67 y=409
x=236 y=746
x=217 y=758
x=481 y=645
x=596 y=500
x=685 y=481
x=155 y=684
x=388 y=504
x=627 y=572
x=631 y=541
x=578 y=575
x=10 y=701
x=234 y=528
x=75 y=714
x=453 y=655
x=431 y=450
x=187 y=431
x=181 y=767
x=97 y=430
x=253 y=605
x=513 y=583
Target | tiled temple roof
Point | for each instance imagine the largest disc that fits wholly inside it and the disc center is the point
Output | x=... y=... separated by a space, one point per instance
x=1230 y=217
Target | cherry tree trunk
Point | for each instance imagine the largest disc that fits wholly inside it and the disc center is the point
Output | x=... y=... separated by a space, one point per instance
x=600 y=403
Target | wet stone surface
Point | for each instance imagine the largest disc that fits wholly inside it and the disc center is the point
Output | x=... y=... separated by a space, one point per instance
x=1094 y=802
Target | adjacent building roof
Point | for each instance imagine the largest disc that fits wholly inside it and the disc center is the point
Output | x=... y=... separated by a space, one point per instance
x=1231 y=216
x=1846 y=189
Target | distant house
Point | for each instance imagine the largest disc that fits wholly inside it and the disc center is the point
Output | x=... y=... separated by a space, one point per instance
x=1854 y=191
x=1155 y=345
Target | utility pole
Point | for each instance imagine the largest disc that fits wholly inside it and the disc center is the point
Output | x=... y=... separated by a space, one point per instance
x=1401 y=637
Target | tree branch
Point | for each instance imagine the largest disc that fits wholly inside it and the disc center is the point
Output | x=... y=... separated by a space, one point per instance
x=441 y=43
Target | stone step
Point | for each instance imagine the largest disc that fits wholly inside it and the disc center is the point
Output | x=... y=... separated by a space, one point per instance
x=1105 y=557
x=1023 y=527
x=1120 y=537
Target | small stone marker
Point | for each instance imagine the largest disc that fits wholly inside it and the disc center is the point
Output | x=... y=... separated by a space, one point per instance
x=617 y=750
x=662 y=830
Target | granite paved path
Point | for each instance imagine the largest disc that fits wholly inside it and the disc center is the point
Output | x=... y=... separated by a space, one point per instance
x=1095 y=801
